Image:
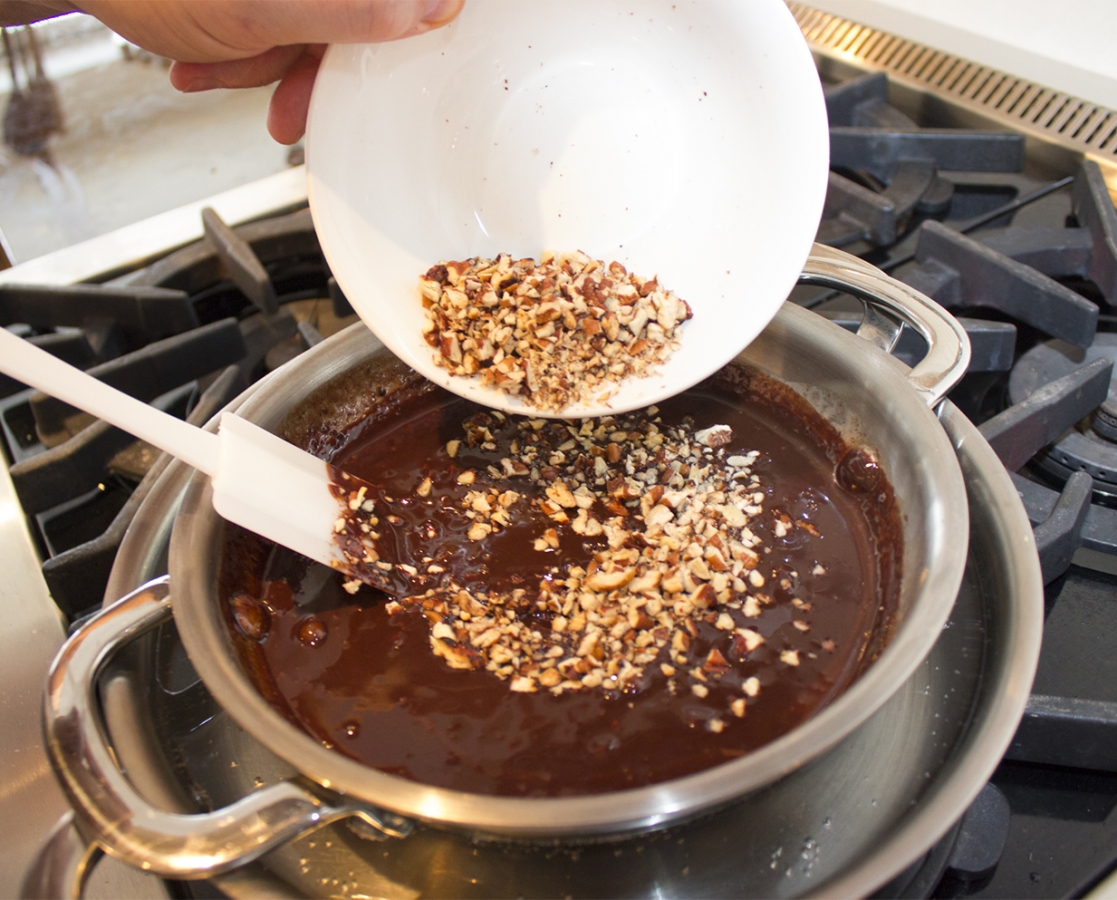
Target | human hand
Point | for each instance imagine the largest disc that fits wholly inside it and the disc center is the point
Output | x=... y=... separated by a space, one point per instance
x=249 y=43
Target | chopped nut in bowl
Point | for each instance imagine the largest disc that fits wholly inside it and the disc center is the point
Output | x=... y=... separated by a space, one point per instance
x=522 y=128
x=565 y=331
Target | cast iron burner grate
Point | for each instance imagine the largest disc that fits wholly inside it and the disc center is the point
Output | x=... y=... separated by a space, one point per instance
x=887 y=171
x=1090 y=444
x=187 y=334
x=1029 y=264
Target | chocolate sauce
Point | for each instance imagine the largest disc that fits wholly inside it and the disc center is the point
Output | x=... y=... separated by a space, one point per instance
x=364 y=681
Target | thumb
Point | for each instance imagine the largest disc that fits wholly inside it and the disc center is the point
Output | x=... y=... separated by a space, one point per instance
x=352 y=21
x=209 y=31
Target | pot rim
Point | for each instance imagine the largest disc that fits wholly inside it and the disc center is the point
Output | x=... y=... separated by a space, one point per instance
x=209 y=645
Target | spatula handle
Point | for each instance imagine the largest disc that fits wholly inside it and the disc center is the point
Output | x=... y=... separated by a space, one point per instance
x=25 y=362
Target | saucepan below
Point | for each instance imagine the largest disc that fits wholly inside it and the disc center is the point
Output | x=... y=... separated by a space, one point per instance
x=865 y=393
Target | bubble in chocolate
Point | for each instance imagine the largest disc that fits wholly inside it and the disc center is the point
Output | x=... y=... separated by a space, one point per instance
x=603 y=743
x=859 y=471
x=312 y=631
x=786 y=586
x=251 y=616
x=352 y=728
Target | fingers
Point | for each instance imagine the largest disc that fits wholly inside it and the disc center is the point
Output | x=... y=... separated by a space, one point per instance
x=24 y=12
x=249 y=43
x=293 y=67
x=254 y=71
x=290 y=102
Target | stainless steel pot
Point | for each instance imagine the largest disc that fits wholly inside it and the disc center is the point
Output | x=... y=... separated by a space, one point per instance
x=865 y=393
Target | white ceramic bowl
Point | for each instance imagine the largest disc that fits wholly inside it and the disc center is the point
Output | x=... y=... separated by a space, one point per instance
x=687 y=140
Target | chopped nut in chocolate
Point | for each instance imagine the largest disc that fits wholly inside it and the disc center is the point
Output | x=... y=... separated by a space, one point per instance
x=666 y=514
x=562 y=331
x=582 y=607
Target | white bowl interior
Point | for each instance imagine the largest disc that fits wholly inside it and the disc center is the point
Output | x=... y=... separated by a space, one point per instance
x=686 y=140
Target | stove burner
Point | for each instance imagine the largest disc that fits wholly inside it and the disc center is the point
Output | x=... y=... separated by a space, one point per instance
x=1090 y=446
x=187 y=334
x=1105 y=421
x=959 y=271
x=888 y=167
x=1029 y=251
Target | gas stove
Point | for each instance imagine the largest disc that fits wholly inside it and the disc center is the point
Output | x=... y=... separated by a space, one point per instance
x=983 y=191
x=995 y=243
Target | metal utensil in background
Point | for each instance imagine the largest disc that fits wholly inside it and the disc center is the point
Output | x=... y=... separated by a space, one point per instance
x=33 y=113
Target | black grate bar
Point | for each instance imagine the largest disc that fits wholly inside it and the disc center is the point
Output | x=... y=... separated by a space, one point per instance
x=853 y=212
x=1099 y=531
x=992 y=344
x=77 y=577
x=151 y=371
x=1094 y=210
x=1021 y=431
x=1060 y=534
x=79 y=465
x=341 y=305
x=1056 y=252
x=241 y=263
x=843 y=99
x=309 y=336
x=261 y=333
x=877 y=150
x=986 y=278
x=1067 y=731
x=144 y=314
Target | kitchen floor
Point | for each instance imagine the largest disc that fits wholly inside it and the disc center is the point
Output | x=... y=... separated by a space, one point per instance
x=131 y=147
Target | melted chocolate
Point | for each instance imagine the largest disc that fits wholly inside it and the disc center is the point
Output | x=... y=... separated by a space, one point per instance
x=365 y=681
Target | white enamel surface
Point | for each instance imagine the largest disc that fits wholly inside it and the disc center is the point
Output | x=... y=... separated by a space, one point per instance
x=686 y=140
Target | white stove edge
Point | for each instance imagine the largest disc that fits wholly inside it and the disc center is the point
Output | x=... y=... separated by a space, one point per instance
x=1066 y=47
x=32 y=632
x=135 y=244
x=30 y=800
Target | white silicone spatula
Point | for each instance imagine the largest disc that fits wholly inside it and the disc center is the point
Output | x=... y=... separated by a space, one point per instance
x=260 y=481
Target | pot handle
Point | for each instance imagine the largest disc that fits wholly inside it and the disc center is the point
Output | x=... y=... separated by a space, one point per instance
x=114 y=814
x=889 y=305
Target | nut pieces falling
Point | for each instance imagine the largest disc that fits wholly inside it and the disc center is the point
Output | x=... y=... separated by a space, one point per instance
x=663 y=516
x=566 y=330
